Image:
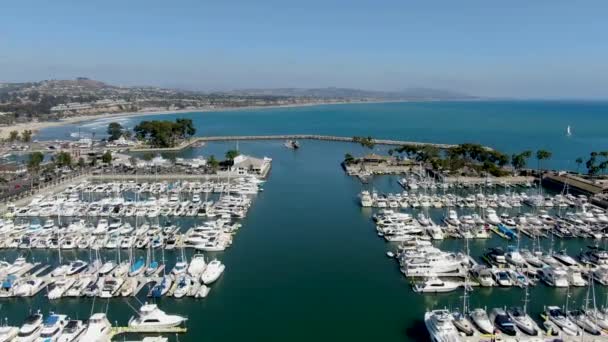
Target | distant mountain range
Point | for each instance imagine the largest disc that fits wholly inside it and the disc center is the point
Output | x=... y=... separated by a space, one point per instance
x=349 y=93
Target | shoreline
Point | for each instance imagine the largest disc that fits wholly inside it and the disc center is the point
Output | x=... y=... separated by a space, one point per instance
x=35 y=127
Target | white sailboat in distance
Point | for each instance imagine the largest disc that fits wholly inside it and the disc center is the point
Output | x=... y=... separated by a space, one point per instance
x=568 y=131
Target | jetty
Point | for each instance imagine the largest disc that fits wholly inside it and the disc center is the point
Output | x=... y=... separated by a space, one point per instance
x=197 y=141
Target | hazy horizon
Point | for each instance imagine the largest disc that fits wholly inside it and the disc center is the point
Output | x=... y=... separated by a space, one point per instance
x=524 y=50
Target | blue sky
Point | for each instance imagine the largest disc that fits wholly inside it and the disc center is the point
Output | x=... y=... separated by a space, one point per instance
x=527 y=49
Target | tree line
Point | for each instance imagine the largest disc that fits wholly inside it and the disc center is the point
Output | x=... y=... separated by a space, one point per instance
x=155 y=133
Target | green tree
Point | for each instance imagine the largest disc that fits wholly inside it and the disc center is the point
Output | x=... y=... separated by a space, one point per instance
x=107 y=157
x=63 y=159
x=212 y=163
x=231 y=154
x=81 y=162
x=115 y=130
x=519 y=160
x=26 y=135
x=34 y=161
x=13 y=136
x=348 y=158
x=540 y=156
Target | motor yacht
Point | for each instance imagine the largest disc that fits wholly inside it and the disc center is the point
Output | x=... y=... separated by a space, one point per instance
x=76 y=267
x=30 y=330
x=452 y=218
x=129 y=287
x=575 y=278
x=554 y=276
x=483 y=275
x=440 y=327
x=502 y=278
x=197 y=265
x=106 y=268
x=435 y=285
x=79 y=286
x=60 y=287
x=8 y=333
x=151 y=317
x=564 y=258
x=98 y=329
x=183 y=286
x=110 y=287
x=530 y=258
x=212 y=272
x=203 y=291
x=491 y=217
x=29 y=288
x=514 y=257
x=52 y=328
x=72 y=331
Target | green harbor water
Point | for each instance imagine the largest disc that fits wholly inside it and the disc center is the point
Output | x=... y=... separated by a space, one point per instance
x=306 y=265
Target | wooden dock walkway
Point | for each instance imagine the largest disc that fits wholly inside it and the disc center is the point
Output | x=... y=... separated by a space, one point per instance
x=132 y=330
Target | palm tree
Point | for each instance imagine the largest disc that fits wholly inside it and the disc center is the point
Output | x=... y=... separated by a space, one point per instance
x=542 y=155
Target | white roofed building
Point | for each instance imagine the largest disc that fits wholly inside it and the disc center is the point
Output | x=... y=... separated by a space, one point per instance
x=249 y=165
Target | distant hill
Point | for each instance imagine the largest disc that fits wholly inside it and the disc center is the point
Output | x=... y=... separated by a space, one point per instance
x=349 y=93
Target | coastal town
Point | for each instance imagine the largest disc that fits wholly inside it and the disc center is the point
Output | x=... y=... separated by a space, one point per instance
x=356 y=171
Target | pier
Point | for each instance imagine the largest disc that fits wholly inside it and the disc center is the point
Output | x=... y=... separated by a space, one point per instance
x=131 y=330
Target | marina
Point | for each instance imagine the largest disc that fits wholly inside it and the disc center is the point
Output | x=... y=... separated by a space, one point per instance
x=308 y=203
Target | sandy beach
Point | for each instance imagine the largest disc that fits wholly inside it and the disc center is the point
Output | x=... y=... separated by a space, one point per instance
x=37 y=126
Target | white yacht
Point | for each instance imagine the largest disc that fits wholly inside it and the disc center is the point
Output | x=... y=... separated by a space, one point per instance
x=60 y=287
x=212 y=272
x=129 y=287
x=514 y=257
x=452 y=218
x=98 y=329
x=440 y=327
x=111 y=285
x=575 y=278
x=197 y=265
x=435 y=285
x=30 y=330
x=481 y=320
x=72 y=331
x=554 y=276
x=151 y=317
x=29 y=288
x=491 y=217
x=52 y=328
x=366 y=199
x=8 y=333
